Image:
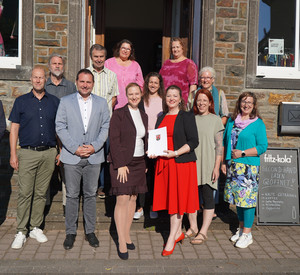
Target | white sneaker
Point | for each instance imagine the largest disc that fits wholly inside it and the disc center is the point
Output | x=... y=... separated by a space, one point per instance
x=38 y=234
x=19 y=240
x=244 y=241
x=138 y=214
x=236 y=236
x=153 y=214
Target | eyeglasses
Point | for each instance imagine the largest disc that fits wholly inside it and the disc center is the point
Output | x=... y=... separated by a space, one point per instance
x=246 y=103
x=125 y=49
x=206 y=78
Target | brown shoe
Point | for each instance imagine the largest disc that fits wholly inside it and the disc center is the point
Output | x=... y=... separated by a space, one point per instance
x=100 y=193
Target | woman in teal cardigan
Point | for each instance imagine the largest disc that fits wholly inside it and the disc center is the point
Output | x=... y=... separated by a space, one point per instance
x=245 y=139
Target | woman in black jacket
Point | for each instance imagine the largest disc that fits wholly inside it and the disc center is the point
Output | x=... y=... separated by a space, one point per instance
x=176 y=187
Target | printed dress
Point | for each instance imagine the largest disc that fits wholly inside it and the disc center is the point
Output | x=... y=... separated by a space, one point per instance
x=241 y=185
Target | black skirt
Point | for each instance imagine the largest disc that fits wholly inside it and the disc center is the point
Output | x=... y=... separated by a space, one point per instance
x=136 y=179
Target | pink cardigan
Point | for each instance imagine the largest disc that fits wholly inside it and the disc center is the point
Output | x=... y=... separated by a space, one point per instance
x=125 y=75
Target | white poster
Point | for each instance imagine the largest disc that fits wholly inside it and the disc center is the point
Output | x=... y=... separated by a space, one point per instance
x=276 y=46
x=157 y=142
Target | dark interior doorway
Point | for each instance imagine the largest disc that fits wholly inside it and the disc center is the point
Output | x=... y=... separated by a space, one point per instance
x=142 y=23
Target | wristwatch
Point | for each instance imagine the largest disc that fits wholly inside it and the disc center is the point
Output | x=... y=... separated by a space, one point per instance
x=176 y=154
x=243 y=154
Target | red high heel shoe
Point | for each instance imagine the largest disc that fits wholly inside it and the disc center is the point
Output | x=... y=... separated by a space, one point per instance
x=180 y=239
x=168 y=253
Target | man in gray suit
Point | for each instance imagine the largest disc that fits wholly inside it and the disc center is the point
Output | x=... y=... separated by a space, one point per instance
x=82 y=123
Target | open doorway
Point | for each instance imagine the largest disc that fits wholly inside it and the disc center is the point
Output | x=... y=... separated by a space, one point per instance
x=149 y=25
x=141 y=22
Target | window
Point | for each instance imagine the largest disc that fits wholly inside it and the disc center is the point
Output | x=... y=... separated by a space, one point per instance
x=22 y=58
x=10 y=33
x=271 y=20
x=278 y=39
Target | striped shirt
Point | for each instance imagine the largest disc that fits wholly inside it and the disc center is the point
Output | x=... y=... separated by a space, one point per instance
x=106 y=85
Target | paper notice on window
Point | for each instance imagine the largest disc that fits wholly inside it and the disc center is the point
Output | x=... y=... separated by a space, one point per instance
x=157 y=142
x=276 y=46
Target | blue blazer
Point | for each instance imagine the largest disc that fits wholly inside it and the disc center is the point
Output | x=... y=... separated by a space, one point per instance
x=70 y=129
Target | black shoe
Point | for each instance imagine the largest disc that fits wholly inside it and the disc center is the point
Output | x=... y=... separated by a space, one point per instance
x=123 y=256
x=92 y=239
x=130 y=246
x=69 y=241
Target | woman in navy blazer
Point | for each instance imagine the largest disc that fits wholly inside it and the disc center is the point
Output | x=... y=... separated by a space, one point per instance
x=128 y=143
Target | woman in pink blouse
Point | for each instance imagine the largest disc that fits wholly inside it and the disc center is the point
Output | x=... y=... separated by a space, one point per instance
x=180 y=70
x=126 y=68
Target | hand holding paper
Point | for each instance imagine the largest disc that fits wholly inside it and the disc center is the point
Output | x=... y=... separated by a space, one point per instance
x=157 y=142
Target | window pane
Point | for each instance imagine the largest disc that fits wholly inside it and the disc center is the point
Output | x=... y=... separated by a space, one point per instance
x=276 y=33
x=9 y=28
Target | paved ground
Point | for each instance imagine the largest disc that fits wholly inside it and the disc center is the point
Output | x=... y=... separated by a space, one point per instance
x=276 y=250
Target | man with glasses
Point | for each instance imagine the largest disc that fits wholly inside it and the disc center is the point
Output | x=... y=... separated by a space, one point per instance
x=33 y=123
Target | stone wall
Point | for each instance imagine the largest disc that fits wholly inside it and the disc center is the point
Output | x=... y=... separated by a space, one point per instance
x=230 y=56
x=50 y=29
x=50 y=34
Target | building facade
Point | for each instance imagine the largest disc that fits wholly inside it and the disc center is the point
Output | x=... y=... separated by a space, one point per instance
x=224 y=34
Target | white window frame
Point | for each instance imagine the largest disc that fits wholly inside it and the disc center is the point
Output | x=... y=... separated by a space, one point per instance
x=12 y=62
x=284 y=72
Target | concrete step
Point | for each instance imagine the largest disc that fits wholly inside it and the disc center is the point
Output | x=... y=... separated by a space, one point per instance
x=54 y=218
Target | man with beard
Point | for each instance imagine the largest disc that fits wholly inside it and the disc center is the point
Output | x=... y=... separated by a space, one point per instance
x=33 y=122
x=59 y=86
x=56 y=83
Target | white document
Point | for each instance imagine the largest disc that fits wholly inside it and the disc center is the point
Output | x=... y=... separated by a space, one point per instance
x=157 y=142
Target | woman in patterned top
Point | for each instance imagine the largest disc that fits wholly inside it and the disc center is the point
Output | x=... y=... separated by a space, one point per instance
x=179 y=70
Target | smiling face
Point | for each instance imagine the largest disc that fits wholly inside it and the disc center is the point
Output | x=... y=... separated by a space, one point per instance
x=125 y=51
x=134 y=96
x=203 y=104
x=206 y=80
x=177 y=50
x=56 y=66
x=173 y=99
x=153 y=85
x=98 y=59
x=246 y=106
x=85 y=84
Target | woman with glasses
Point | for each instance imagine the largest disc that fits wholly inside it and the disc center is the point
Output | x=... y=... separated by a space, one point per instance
x=179 y=70
x=126 y=68
x=207 y=77
x=245 y=139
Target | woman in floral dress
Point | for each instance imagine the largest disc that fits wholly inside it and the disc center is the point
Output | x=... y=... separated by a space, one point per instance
x=245 y=139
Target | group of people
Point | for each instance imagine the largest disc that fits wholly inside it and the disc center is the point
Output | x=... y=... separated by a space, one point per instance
x=103 y=123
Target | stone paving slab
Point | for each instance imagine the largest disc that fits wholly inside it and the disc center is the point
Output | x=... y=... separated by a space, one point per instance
x=276 y=250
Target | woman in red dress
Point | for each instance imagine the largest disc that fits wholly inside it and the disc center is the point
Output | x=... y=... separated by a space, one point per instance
x=175 y=187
